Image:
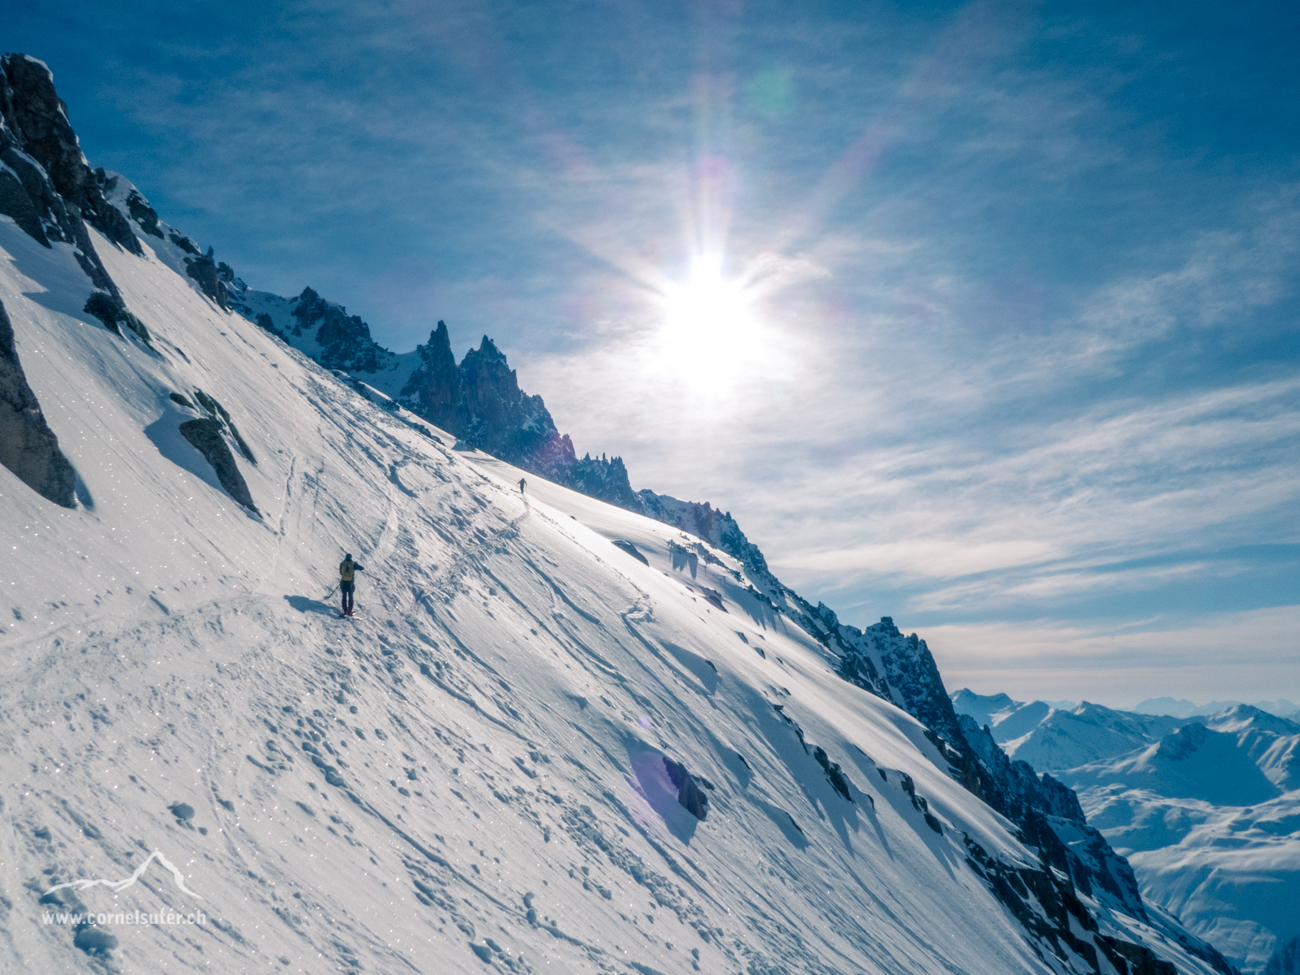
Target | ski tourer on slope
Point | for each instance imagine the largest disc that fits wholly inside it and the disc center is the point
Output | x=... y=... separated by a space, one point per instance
x=347 y=581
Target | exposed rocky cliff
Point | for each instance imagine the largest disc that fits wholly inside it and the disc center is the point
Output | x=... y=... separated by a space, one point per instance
x=481 y=403
x=48 y=188
x=344 y=340
x=37 y=123
x=434 y=389
x=28 y=447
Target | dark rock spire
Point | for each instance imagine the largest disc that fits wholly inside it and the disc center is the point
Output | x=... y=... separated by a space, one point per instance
x=434 y=389
x=480 y=402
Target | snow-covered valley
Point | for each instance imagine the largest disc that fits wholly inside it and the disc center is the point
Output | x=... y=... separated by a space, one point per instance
x=1205 y=808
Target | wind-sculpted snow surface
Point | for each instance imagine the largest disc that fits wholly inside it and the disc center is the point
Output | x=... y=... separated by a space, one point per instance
x=532 y=749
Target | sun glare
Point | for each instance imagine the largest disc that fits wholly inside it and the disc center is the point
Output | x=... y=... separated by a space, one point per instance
x=708 y=320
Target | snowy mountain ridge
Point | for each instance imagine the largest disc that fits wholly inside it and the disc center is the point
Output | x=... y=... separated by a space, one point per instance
x=479 y=401
x=1051 y=738
x=560 y=733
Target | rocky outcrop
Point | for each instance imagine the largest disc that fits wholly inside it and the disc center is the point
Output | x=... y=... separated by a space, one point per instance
x=504 y=420
x=434 y=389
x=480 y=402
x=47 y=187
x=1048 y=908
x=601 y=477
x=204 y=270
x=1049 y=816
x=28 y=447
x=38 y=121
x=113 y=313
x=598 y=477
x=206 y=437
x=137 y=207
x=219 y=412
x=690 y=789
x=914 y=679
x=344 y=339
x=28 y=193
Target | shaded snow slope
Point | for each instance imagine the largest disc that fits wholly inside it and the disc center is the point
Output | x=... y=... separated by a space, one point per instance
x=492 y=763
x=1192 y=763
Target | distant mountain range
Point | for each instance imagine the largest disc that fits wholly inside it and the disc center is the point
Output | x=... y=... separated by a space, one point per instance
x=1205 y=807
x=1186 y=709
x=1050 y=738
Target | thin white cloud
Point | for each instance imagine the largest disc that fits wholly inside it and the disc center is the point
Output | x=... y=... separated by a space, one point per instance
x=1230 y=655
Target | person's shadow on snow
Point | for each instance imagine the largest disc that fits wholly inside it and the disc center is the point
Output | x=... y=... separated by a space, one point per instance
x=305 y=604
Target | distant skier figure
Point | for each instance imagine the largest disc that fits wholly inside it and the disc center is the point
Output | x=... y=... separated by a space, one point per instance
x=347 y=581
x=522 y=484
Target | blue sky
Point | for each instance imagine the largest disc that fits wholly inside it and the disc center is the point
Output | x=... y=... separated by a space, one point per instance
x=1019 y=362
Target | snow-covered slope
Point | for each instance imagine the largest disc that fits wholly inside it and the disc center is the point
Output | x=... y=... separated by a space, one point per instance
x=1192 y=763
x=1209 y=817
x=559 y=735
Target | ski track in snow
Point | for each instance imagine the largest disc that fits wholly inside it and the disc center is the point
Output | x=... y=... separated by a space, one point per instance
x=472 y=770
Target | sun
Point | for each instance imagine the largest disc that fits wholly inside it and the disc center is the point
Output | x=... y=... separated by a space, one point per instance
x=713 y=341
x=709 y=319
